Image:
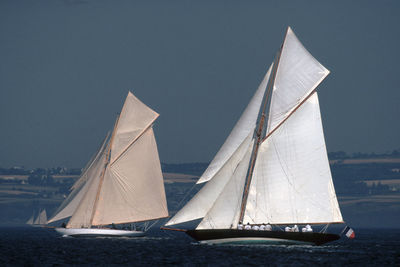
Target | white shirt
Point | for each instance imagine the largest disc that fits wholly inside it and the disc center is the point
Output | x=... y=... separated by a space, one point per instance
x=247 y=227
x=240 y=227
x=256 y=227
x=262 y=227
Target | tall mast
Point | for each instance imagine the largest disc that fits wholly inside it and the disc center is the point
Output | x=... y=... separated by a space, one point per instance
x=104 y=171
x=258 y=133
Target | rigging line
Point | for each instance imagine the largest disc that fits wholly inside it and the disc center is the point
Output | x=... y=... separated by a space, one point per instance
x=151 y=225
x=258 y=133
x=184 y=197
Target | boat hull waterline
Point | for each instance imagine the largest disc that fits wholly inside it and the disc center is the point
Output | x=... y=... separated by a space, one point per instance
x=231 y=236
x=93 y=232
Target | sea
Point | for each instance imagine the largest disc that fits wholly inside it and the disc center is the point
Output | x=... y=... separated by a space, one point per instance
x=30 y=246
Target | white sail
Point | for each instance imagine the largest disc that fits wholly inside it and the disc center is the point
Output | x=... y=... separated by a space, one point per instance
x=82 y=215
x=298 y=74
x=30 y=220
x=124 y=183
x=80 y=188
x=43 y=217
x=292 y=183
x=133 y=188
x=242 y=129
x=135 y=118
x=226 y=209
x=204 y=200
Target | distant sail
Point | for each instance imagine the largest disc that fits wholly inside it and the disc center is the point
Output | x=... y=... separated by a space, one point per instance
x=30 y=220
x=41 y=218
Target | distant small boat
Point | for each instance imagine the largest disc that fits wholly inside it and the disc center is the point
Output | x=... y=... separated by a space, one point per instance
x=122 y=183
x=40 y=220
x=270 y=178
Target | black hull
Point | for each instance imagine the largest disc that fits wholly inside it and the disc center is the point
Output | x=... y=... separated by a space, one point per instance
x=240 y=236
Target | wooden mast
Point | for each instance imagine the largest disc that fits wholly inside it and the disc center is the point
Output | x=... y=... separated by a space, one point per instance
x=259 y=132
x=103 y=172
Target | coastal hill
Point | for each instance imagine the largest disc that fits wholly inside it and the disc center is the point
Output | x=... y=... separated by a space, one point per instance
x=367 y=186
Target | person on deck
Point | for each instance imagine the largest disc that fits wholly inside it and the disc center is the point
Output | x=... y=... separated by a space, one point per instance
x=295 y=228
x=240 y=226
x=268 y=227
x=247 y=227
x=262 y=227
x=255 y=227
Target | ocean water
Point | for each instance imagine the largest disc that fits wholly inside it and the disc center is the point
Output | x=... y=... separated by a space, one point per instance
x=26 y=246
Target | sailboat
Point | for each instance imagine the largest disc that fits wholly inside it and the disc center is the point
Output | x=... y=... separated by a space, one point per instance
x=122 y=184
x=40 y=220
x=270 y=174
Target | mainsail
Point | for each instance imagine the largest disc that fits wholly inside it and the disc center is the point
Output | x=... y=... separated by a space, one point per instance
x=290 y=182
x=41 y=218
x=123 y=183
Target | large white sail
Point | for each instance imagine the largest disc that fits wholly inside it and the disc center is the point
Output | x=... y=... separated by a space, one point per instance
x=298 y=74
x=135 y=118
x=204 y=200
x=226 y=209
x=124 y=183
x=133 y=188
x=292 y=182
x=242 y=129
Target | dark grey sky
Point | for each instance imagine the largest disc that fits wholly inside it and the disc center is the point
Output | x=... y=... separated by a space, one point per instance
x=66 y=67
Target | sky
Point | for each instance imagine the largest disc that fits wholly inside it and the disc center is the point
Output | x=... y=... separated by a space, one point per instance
x=67 y=66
